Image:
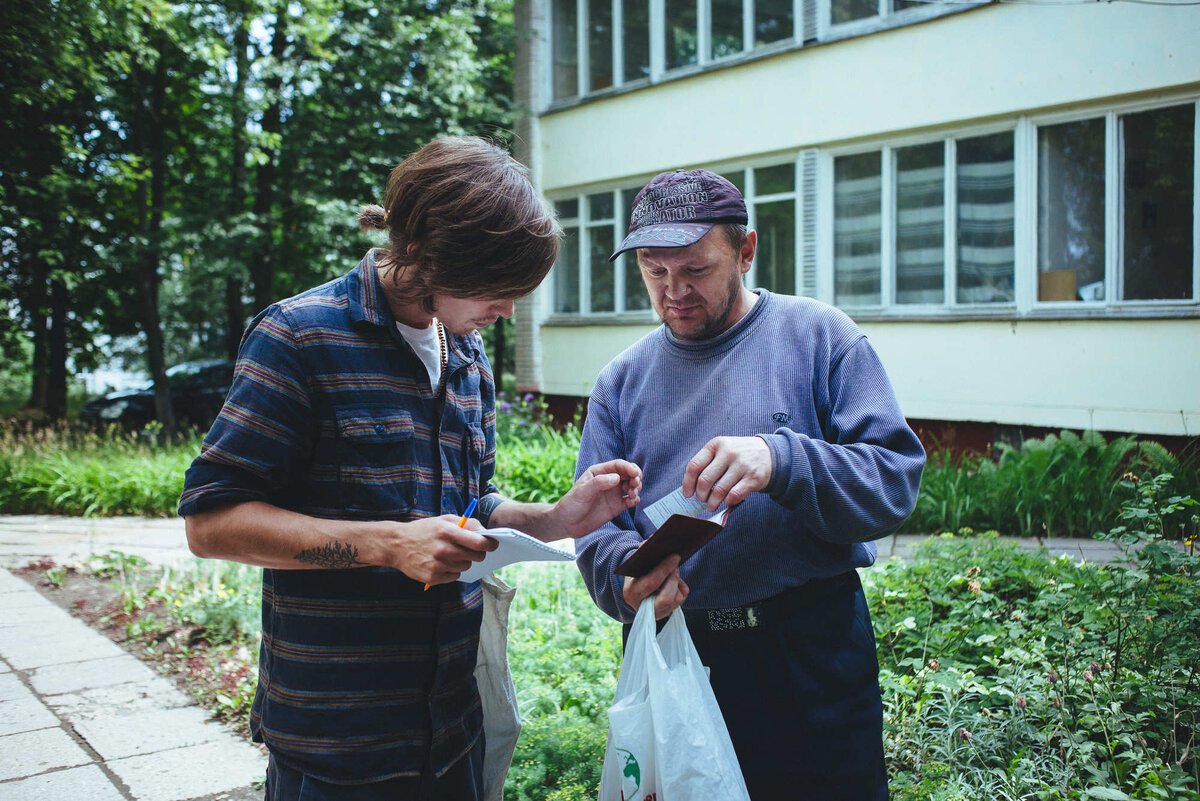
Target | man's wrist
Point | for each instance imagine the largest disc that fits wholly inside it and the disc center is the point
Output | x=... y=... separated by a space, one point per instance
x=487 y=506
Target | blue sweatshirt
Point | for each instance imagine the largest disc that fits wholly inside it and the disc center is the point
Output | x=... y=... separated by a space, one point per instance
x=798 y=373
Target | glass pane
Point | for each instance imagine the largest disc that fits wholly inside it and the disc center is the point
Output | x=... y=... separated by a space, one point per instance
x=726 y=27
x=850 y=10
x=636 y=297
x=770 y=180
x=920 y=223
x=600 y=44
x=1070 y=255
x=985 y=219
x=603 y=288
x=857 y=199
x=737 y=178
x=900 y=5
x=775 y=260
x=681 y=29
x=566 y=273
x=1159 y=158
x=567 y=208
x=635 y=28
x=566 y=49
x=772 y=21
x=600 y=206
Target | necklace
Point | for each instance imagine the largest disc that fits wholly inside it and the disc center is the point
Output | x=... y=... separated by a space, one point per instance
x=444 y=347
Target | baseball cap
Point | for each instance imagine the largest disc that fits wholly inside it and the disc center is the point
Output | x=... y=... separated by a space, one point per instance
x=677 y=208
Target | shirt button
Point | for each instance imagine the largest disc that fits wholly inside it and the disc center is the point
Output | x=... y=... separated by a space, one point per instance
x=380 y=428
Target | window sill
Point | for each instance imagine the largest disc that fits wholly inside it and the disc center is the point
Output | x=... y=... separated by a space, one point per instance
x=1009 y=313
x=624 y=318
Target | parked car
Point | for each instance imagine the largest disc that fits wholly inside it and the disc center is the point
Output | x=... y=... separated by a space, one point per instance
x=197 y=391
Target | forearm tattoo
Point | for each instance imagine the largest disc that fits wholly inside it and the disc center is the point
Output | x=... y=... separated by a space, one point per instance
x=333 y=555
x=487 y=505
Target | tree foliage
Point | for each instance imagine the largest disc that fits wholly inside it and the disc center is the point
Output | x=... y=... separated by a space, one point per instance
x=172 y=168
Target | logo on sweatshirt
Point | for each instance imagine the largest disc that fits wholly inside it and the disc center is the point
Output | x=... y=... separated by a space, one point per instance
x=783 y=418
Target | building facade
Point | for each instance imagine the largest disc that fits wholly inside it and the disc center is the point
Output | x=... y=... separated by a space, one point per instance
x=1002 y=195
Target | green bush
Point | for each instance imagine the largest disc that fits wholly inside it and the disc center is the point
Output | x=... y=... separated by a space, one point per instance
x=1010 y=675
x=72 y=471
x=1061 y=486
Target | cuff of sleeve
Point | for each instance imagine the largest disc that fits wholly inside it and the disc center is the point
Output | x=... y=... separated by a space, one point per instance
x=781 y=464
x=193 y=503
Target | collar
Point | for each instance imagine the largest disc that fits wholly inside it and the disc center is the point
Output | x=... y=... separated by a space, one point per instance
x=723 y=341
x=367 y=304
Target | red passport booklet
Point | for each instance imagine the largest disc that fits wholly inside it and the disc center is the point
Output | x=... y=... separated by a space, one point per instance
x=679 y=533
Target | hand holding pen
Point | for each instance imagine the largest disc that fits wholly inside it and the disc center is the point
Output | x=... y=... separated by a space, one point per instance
x=462 y=522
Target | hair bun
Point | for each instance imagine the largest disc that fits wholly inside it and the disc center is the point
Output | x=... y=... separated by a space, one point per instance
x=372 y=217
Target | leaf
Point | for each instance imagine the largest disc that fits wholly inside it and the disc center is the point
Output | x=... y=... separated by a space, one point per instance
x=1107 y=793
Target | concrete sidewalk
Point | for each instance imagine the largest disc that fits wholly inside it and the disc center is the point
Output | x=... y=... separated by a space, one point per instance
x=80 y=718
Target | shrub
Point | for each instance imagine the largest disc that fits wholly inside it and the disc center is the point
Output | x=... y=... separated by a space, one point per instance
x=1060 y=486
x=1010 y=675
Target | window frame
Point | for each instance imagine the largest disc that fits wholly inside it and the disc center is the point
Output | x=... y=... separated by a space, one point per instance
x=1025 y=305
x=583 y=225
x=1025 y=221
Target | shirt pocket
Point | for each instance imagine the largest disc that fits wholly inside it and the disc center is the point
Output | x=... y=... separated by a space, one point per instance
x=377 y=471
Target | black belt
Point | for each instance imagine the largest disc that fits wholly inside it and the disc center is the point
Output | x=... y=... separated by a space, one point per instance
x=766 y=613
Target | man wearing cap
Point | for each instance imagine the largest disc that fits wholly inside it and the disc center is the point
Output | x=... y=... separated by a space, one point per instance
x=777 y=407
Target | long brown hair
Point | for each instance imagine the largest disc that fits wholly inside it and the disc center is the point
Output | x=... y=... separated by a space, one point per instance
x=464 y=220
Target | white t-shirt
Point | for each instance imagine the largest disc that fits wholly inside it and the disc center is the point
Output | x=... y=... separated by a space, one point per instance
x=427 y=343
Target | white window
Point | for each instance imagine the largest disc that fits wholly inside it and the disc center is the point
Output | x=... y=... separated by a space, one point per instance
x=1107 y=217
x=598 y=44
x=892 y=244
x=1116 y=219
x=1092 y=212
x=586 y=283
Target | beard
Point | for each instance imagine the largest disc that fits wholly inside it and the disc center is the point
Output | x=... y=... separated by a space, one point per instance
x=712 y=324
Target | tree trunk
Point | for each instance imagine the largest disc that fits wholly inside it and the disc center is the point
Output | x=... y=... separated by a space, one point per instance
x=262 y=266
x=41 y=337
x=56 y=387
x=235 y=313
x=150 y=207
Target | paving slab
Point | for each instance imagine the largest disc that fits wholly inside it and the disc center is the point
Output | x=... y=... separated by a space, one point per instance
x=24 y=715
x=129 y=697
x=30 y=647
x=201 y=769
x=87 y=783
x=12 y=688
x=71 y=540
x=75 y=676
x=118 y=735
x=33 y=752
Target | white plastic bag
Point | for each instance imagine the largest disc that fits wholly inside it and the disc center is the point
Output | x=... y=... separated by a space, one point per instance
x=667 y=740
x=501 y=720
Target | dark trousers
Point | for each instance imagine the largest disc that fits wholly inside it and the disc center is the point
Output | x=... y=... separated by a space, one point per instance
x=800 y=694
x=463 y=782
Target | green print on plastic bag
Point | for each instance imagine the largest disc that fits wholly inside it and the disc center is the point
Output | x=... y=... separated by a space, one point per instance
x=631 y=774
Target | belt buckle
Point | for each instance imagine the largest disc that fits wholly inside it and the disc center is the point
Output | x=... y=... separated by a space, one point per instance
x=737 y=618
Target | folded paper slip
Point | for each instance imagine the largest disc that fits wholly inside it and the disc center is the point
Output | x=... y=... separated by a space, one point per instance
x=680 y=533
x=515 y=546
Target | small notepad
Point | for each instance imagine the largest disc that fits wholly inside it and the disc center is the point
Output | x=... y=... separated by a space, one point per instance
x=515 y=546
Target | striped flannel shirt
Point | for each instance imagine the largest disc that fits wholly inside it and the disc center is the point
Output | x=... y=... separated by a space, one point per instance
x=801 y=375
x=362 y=675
